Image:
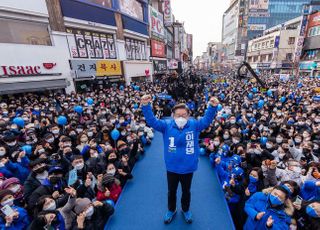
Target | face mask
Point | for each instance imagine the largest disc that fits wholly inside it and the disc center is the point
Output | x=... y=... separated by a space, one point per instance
x=123 y=133
x=84 y=139
x=12 y=143
x=279 y=140
x=95 y=155
x=112 y=121
x=269 y=146
x=112 y=160
x=235 y=141
x=54 y=179
x=42 y=176
x=111 y=172
x=7 y=202
x=181 y=122
x=296 y=169
x=311 y=212
x=232 y=121
x=142 y=125
x=15 y=188
x=256 y=151
x=216 y=143
x=79 y=130
x=89 y=212
x=2 y=152
x=50 y=140
x=52 y=206
x=90 y=134
x=41 y=151
x=79 y=166
x=253 y=179
x=298 y=141
x=226 y=136
x=274 y=200
x=55 y=131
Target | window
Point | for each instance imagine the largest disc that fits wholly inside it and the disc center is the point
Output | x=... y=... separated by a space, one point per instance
x=105 y=3
x=314 y=31
x=24 y=32
x=267 y=44
x=259 y=45
x=272 y=43
x=255 y=58
x=135 y=49
x=291 y=40
x=289 y=57
x=263 y=45
x=269 y=57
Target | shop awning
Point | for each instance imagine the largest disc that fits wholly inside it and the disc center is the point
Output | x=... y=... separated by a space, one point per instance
x=31 y=86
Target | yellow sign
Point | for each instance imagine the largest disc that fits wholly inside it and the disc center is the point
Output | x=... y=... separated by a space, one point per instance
x=108 y=68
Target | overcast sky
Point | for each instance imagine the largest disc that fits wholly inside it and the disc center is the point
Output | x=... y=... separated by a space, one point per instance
x=202 y=18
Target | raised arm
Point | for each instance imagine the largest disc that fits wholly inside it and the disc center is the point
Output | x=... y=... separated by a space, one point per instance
x=151 y=120
x=209 y=115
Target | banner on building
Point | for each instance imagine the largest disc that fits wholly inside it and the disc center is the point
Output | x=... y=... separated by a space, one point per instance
x=173 y=64
x=167 y=12
x=314 y=20
x=160 y=66
x=156 y=23
x=88 y=44
x=158 y=49
x=177 y=51
x=89 y=68
x=135 y=49
x=132 y=8
x=257 y=27
x=259 y=8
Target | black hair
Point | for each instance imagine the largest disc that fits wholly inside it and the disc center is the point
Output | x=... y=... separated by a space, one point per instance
x=180 y=106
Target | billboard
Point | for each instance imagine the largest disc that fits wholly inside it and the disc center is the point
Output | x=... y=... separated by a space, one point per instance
x=314 y=20
x=259 y=8
x=158 y=49
x=156 y=23
x=167 y=12
x=257 y=27
x=132 y=8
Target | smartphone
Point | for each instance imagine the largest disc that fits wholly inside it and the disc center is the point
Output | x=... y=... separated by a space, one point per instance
x=7 y=210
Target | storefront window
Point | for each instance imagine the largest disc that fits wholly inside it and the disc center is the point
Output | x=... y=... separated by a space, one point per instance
x=24 y=32
x=135 y=49
x=132 y=8
x=105 y=3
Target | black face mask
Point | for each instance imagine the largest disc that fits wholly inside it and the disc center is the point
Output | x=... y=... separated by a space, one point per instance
x=306 y=151
x=125 y=151
x=40 y=170
x=55 y=179
x=112 y=160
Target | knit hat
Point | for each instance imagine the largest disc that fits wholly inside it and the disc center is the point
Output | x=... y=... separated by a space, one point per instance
x=107 y=180
x=81 y=205
x=10 y=181
x=120 y=143
x=4 y=193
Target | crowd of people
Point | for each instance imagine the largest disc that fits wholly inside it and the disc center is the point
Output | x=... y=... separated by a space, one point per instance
x=64 y=158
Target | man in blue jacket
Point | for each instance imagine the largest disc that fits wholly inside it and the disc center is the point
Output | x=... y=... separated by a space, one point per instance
x=181 y=149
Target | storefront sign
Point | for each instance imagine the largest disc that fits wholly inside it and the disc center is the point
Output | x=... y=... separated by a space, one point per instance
x=108 y=68
x=90 y=44
x=135 y=49
x=256 y=27
x=263 y=65
x=160 y=66
x=167 y=12
x=158 y=49
x=308 y=65
x=314 y=20
x=156 y=23
x=26 y=70
x=93 y=68
x=173 y=64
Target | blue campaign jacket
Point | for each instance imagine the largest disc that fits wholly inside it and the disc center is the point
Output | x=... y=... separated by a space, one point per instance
x=258 y=202
x=310 y=191
x=181 y=146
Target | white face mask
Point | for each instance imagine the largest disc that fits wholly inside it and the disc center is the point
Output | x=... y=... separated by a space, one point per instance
x=90 y=134
x=226 y=137
x=15 y=188
x=279 y=140
x=111 y=172
x=256 y=151
x=89 y=212
x=181 y=122
x=79 y=166
x=56 y=131
x=50 y=140
x=2 y=152
x=12 y=143
x=216 y=143
x=42 y=175
x=52 y=206
x=269 y=146
x=7 y=202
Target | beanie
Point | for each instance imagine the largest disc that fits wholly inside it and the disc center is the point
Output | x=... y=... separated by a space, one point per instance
x=81 y=204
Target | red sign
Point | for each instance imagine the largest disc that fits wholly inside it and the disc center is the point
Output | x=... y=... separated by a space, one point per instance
x=24 y=70
x=314 y=20
x=158 y=49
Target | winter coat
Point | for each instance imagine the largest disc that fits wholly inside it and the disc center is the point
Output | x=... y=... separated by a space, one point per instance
x=30 y=185
x=67 y=213
x=22 y=222
x=181 y=146
x=115 y=192
x=310 y=191
x=98 y=219
x=258 y=202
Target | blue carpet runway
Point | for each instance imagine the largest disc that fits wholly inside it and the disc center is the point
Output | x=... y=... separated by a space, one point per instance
x=143 y=202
